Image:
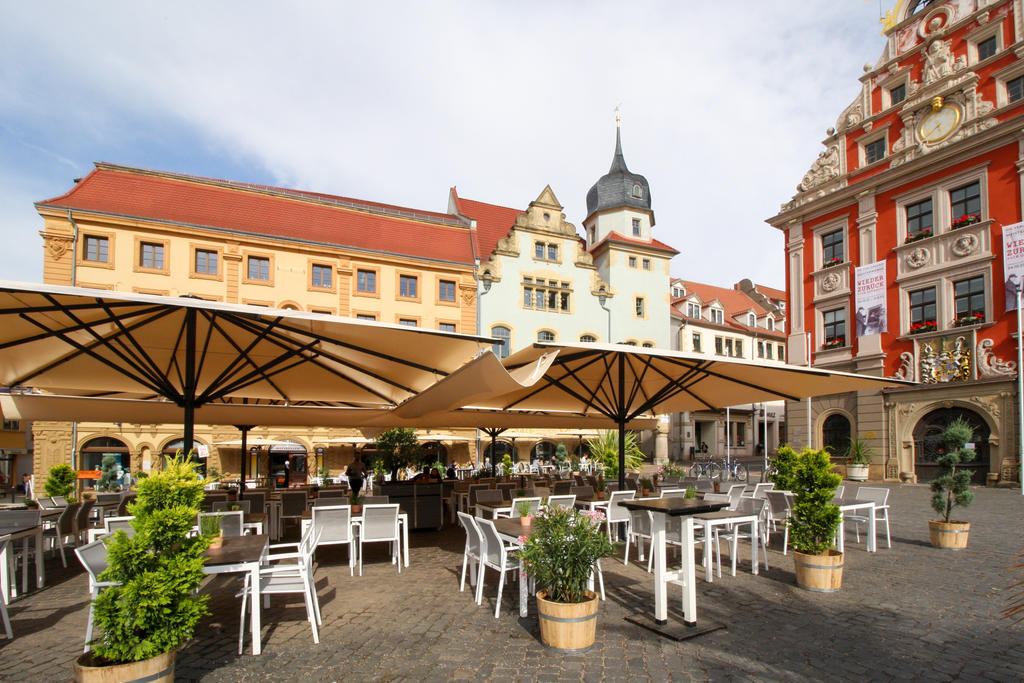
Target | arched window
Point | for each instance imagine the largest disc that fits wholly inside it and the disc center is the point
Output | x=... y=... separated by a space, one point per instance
x=546 y=336
x=638 y=191
x=172 y=447
x=588 y=338
x=504 y=335
x=771 y=322
x=543 y=451
x=630 y=342
x=648 y=345
x=435 y=451
x=835 y=434
x=92 y=453
x=929 y=444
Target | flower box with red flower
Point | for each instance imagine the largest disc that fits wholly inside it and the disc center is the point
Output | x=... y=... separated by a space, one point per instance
x=832 y=262
x=834 y=343
x=965 y=320
x=966 y=219
x=919 y=235
x=926 y=326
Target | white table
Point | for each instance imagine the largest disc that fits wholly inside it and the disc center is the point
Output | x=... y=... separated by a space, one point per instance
x=494 y=510
x=709 y=520
x=35 y=533
x=853 y=506
x=243 y=554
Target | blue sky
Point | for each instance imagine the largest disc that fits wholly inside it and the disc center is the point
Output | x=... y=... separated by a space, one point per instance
x=723 y=111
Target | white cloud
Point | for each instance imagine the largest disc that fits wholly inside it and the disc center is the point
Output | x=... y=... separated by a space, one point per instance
x=724 y=104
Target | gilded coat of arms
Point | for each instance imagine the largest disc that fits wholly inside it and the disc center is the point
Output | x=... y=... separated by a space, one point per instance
x=944 y=360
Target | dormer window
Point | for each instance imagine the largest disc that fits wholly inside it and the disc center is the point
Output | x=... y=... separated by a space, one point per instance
x=677 y=292
x=638 y=192
x=751 y=320
x=771 y=324
x=692 y=310
x=717 y=316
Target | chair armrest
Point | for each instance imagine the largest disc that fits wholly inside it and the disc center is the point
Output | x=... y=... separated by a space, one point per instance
x=282 y=556
x=281 y=569
x=283 y=545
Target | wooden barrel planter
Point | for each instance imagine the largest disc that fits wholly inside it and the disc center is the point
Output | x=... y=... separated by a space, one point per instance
x=949 y=535
x=159 y=669
x=568 y=626
x=819 y=573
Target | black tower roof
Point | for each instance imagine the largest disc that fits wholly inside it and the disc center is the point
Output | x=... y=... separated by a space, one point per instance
x=619 y=187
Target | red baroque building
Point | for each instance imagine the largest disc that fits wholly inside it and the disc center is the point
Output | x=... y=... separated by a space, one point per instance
x=894 y=250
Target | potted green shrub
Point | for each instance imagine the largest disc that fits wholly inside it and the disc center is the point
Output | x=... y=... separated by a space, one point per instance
x=560 y=555
x=604 y=450
x=950 y=487
x=858 y=459
x=356 y=501
x=523 y=508
x=153 y=609
x=813 y=523
x=506 y=465
x=61 y=482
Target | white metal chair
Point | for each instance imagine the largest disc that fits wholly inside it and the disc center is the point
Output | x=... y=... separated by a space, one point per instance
x=639 y=532
x=837 y=497
x=230 y=523
x=473 y=552
x=494 y=555
x=231 y=506
x=616 y=513
x=534 y=504
x=568 y=501
x=380 y=524
x=114 y=524
x=288 y=578
x=734 y=533
x=333 y=526
x=735 y=493
x=878 y=496
x=780 y=506
x=4 y=541
x=761 y=489
x=93 y=557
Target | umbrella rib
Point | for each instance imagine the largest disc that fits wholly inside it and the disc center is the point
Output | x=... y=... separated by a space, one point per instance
x=66 y=329
x=367 y=351
x=242 y=355
x=601 y=402
x=340 y=361
x=82 y=350
x=114 y=342
x=144 y=356
x=707 y=370
x=259 y=372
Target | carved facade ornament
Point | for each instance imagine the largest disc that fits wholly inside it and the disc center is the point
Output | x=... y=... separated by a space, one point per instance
x=824 y=169
x=918 y=257
x=965 y=245
x=57 y=246
x=944 y=361
x=508 y=245
x=939 y=61
x=830 y=282
x=583 y=257
x=990 y=365
x=987 y=404
x=850 y=117
x=906 y=368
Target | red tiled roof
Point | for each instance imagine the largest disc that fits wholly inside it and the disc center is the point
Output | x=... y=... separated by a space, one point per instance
x=268 y=211
x=733 y=301
x=493 y=222
x=650 y=244
x=771 y=292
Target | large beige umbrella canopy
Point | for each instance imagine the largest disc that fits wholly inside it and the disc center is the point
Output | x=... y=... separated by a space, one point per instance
x=196 y=353
x=622 y=383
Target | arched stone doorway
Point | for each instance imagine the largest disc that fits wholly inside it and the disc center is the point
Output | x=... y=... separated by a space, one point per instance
x=288 y=464
x=501 y=448
x=544 y=451
x=929 y=445
x=835 y=434
x=435 y=451
x=94 y=450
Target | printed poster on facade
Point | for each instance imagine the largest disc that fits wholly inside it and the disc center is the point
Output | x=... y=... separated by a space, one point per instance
x=870 y=298
x=1013 y=262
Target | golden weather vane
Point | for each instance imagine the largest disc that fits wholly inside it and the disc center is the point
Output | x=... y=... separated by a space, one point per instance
x=618 y=115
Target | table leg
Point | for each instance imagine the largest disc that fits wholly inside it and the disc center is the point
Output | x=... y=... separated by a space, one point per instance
x=254 y=589
x=708 y=551
x=754 y=540
x=658 y=550
x=841 y=533
x=24 y=566
x=689 y=574
x=871 y=530
x=524 y=605
x=4 y=577
x=40 y=571
x=405 y=541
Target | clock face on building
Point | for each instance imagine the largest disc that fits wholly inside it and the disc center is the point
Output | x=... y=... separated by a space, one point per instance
x=939 y=124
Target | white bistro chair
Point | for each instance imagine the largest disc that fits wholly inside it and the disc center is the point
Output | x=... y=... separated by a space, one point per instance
x=282 y=578
x=93 y=557
x=333 y=526
x=566 y=501
x=230 y=523
x=380 y=524
x=472 y=554
x=780 y=506
x=534 y=504
x=494 y=555
x=880 y=497
x=616 y=513
x=4 y=541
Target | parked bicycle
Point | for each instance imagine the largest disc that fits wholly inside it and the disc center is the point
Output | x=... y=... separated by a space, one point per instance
x=720 y=469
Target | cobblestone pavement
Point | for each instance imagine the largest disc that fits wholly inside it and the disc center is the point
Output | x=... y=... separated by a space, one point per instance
x=910 y=612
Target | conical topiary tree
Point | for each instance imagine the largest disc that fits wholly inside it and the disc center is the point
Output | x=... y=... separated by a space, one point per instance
x=813 y=525
x=108 y=480
x=950 y=487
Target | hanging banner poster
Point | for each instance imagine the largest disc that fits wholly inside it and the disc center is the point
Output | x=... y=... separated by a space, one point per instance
x=870 y=298
x=1013 y=262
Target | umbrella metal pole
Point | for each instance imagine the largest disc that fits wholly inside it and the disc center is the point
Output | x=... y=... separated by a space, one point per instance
x=245 y=454
x=189 y=390
x=622 y=423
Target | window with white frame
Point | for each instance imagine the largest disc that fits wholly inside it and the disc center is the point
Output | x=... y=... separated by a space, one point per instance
x=696 y=341
x=546 y=295
x=760 y=349
x=96 y=249
x=770 y=322
x=546 y=336
x=768 y=351
x=636 y=227
x=955 y=202
x=692 y=310
x=719 y=346
x=751 y=320
x=834 y=327
x=503 y=335
x=985 y=42
x=874 y=150
x=717 y=315
x=588 y=338
x=640 y=306
x=1009 y=84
